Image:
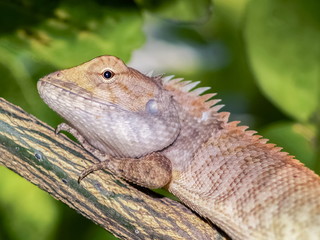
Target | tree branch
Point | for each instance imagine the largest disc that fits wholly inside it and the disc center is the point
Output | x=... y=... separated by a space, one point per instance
x=30 y=148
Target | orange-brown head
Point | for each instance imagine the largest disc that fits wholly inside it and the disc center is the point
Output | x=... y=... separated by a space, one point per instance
x=107 y=78
x=119 y=110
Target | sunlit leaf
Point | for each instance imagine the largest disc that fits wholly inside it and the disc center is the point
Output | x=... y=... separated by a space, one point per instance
x=83 y=31
x=283 y=41
x=72 y=34
x=72 y=31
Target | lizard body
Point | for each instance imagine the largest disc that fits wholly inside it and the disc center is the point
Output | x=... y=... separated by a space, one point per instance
x=158 y=132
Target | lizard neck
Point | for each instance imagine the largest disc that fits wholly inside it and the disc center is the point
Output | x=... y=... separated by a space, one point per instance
x=193 y=134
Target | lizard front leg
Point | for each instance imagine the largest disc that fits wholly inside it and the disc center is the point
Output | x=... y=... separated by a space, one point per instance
x=84 y=143
x=152 y=170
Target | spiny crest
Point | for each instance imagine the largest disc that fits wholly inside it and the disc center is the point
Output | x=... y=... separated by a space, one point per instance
x=190 y=98
x=203 y=107
x=256 y=139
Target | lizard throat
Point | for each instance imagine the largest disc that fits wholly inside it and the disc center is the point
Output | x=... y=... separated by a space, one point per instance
x=109 y=128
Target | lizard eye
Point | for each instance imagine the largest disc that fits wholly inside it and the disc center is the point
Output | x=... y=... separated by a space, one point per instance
x=108 y=74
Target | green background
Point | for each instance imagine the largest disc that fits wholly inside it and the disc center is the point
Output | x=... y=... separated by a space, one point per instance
x=261 y=56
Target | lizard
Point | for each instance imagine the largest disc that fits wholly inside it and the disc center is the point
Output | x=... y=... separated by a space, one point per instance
x=164 y=132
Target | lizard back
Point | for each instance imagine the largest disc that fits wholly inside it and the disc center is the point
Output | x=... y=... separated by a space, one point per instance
x=250 y=189
x=246 y=186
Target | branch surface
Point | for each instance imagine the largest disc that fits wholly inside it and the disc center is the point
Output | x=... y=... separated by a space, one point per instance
x=30 y=148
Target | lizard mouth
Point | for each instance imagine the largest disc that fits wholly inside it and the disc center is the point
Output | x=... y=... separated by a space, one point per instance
x=52 y=89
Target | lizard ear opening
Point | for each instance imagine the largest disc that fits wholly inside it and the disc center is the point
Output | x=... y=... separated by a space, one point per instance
x=152 y=107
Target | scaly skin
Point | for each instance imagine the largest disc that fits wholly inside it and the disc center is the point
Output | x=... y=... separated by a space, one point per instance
x=155 y=132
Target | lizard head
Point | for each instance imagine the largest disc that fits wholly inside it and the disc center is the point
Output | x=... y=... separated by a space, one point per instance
x=108 y=79
x=119 y=110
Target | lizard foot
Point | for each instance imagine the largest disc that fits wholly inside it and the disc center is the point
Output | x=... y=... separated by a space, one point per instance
x=91 y=169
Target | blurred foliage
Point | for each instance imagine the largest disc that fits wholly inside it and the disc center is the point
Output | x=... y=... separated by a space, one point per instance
x=285 y=53
x=261 y=56
x=293 y=136
x=179 y=11
x=27 y=216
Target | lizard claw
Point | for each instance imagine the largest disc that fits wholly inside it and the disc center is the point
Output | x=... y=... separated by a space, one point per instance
x=85 y=173
x=90 y=169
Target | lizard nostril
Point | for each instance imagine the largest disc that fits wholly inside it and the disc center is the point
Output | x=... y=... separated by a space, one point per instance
x=56 y=74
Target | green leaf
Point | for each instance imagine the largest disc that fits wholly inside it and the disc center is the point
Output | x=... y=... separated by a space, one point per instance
x=74 y=32
x=283 y=44
x=77 y=32
x=85 y=30
x=296 y=139
x=179 y=10
x=27 y=212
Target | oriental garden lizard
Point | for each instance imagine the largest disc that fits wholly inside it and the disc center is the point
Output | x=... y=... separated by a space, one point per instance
x=158 y=132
